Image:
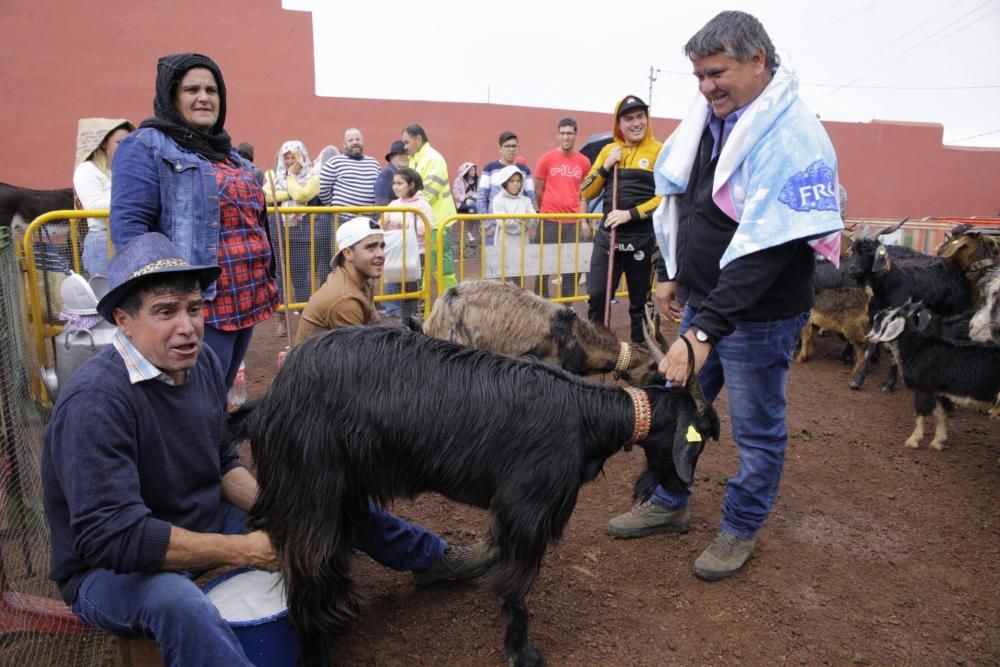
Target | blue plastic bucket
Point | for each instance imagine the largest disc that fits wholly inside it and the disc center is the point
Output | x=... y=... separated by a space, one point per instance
x=268 y=642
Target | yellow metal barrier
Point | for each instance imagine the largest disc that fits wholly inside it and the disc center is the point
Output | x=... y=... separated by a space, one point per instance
x=579 y=242
x=339 y=213
x=43 y=329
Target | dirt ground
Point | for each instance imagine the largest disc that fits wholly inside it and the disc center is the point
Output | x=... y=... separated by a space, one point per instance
x=874 y=554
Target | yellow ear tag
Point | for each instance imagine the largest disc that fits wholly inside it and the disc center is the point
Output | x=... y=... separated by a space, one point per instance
x=693 y=435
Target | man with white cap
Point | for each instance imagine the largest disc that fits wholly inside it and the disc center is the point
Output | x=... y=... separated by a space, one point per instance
x=347 y=296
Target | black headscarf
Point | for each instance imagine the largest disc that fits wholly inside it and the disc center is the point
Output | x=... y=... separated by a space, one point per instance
x=214 y=145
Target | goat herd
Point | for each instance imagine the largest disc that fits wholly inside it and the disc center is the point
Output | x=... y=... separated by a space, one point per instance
x=939 y=316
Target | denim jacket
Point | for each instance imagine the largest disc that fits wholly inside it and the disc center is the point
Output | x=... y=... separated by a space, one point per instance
x=159 y=187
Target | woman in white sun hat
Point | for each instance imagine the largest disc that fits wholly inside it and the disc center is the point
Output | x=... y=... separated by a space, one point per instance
x=96 y=141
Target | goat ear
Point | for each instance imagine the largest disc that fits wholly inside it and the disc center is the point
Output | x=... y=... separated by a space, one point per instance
x=924 y=318
x=688 y=445
x=881 y=260
x=891 y=330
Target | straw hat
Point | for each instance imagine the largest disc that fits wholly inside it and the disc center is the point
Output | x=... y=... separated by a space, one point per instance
x=143 y=256
x=91 y=132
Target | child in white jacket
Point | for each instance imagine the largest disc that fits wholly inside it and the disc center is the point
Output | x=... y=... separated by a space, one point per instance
x=511 y=235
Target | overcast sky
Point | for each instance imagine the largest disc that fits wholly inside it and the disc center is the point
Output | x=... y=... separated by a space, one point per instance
x=900 y=60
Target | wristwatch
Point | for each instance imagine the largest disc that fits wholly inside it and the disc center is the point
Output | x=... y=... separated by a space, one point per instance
x=700 y=335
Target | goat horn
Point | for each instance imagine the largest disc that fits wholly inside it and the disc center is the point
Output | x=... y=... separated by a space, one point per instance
x=693 y=386
x=656 y=330
x=647 y=333
x=890 y=230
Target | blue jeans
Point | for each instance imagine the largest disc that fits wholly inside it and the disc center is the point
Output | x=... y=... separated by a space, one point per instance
x=95 y=252
x=167 y=606
x=753 y=363
x=186 y=625
x=230 y=347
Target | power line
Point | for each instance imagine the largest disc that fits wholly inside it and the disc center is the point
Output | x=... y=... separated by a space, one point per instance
x=835 y=85
x=958 y=29
x=974 y=136
x=827 y=24
x=867 y=57
x=986 y=86
x=912 y=49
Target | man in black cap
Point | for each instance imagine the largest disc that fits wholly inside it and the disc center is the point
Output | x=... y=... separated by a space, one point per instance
x=395 y=160
x=623 y=173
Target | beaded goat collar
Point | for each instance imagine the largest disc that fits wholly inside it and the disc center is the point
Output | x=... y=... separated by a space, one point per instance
x=624 y=358
x=643 y=416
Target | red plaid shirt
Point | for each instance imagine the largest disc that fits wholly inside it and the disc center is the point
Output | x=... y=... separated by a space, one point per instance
x=245 y=292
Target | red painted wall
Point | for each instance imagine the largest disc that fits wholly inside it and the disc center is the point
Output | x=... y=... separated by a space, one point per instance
x=62 y=60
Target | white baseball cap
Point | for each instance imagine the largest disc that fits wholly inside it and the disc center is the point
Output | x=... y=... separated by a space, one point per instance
x=354 y=231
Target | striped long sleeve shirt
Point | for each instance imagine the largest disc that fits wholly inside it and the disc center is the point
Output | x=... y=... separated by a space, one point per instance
x=348 y=181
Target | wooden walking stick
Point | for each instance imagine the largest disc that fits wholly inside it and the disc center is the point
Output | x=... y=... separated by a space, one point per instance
x=611 y=251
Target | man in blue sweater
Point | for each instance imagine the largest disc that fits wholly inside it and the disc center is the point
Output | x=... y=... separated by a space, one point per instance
x=141 y=494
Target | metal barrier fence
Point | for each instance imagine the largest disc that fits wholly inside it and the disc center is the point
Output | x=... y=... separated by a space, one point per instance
x=554 y=249
x=549 y=255
x=303 y=241
x=36 y=627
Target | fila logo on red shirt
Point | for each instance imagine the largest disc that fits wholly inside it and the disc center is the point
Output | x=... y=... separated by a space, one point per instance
x=566 y=170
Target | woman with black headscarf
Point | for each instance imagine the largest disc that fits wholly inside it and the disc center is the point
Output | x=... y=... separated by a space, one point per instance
x=179 y=175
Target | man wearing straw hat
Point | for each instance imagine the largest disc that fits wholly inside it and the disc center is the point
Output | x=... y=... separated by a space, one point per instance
x=140 y=493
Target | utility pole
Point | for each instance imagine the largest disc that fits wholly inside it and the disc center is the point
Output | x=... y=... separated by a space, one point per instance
x=652 y=78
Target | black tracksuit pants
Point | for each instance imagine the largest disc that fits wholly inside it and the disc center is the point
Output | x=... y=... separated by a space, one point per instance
x=634 y=258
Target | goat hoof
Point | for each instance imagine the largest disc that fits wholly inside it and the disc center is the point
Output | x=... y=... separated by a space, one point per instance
x=886 y=388
x=527 y=657
x=937 y=445
x=855 y=385
x=911 y=443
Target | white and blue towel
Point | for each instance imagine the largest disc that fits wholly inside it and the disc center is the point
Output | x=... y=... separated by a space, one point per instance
x=776 y=176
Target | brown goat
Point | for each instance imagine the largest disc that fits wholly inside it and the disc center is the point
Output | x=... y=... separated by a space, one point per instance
x=843 y=310
x=503 y=318
x=974 y=250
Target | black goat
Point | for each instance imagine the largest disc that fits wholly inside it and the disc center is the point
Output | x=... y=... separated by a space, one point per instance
x=939 y=284
x=839 y=308
x=941 y=372
x=382 y=412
